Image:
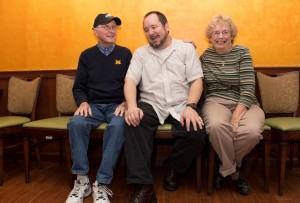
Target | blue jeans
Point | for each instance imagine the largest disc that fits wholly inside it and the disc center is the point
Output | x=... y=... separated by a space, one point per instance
x=79 y=134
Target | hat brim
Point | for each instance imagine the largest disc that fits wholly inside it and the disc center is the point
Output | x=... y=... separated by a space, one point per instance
x=117 y=20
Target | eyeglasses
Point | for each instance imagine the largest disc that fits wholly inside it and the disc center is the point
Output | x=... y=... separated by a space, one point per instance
x=224 y=33
x=107 y=28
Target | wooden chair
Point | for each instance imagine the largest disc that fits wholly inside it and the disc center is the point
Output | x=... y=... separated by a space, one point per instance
x=267 y=156
x=279 y=94
x=51 y=129
x=56 y=128
x=22 y=97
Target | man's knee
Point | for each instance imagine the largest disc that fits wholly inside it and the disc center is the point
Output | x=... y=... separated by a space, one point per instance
x=75 y=121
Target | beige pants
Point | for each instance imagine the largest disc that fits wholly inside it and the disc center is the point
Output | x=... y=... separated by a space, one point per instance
x=231 y=149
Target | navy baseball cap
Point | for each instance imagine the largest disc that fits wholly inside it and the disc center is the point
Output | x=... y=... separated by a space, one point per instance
x=103 y=19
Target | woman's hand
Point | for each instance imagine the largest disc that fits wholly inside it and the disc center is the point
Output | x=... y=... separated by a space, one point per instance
x=133 y=116
x=191 y=42
x=237 y=115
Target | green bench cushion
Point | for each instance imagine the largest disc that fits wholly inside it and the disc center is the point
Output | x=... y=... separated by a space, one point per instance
x=8 y=121
x=164 y=127
x=51 y=123
x=284 y=123
x=266 y=127
x=61 y=124
x=102 y=126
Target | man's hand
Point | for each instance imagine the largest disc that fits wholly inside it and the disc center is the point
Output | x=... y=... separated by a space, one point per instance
x=120 y=110
x=133 y=116
x=83 y=110
x=191 y=42
x=190 y=116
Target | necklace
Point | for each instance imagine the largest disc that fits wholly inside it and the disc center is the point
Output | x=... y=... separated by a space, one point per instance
x=221 y=55
x=223 y=63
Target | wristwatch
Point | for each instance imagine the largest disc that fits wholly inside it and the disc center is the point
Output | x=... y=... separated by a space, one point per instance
x=192 y=105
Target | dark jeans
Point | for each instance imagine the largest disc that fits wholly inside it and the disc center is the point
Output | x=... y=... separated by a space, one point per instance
x=139 y=144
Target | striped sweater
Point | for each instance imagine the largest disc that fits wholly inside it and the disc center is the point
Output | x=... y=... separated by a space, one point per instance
x=230 y=76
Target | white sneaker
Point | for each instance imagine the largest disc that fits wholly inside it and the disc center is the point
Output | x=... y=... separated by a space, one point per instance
x=81 y=189
x=100 y=193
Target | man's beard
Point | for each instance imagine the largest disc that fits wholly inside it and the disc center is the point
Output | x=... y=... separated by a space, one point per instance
x=162 y=42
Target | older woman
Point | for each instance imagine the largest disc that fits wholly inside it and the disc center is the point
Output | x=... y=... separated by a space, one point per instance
x=233 y=118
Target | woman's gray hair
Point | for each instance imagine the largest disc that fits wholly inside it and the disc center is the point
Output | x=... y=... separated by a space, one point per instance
x=220 y=20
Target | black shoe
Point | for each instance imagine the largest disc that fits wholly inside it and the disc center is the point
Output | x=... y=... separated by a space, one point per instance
x=170 y=177
x=143 y=194
x=219 y=181
x=241 y=185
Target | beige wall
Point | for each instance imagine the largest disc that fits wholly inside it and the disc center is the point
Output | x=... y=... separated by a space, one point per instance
x=49 y=35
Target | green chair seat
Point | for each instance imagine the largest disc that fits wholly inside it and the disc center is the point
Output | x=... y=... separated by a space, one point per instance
x=59 y=123
x=102 y=126
x=164 y=127
x=266 y=127
x=168 y=126
x=284 y=123
x=8 y=121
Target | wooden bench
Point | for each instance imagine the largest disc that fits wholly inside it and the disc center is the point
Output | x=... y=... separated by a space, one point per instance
x=55 y=128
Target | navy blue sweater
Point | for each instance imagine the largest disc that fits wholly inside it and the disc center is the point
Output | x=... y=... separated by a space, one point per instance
x=99 y=78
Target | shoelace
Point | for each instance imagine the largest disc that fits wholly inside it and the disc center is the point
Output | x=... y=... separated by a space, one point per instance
x=105 y=189
x=171 y=172
x=76 y=189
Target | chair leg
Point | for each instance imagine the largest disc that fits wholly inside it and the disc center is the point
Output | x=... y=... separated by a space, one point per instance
x=291 y=160
x=255 y=157
x=37 y=152
x=69 y=161
x=61 y=147
x=26 y=158
x=1 y=161
x=298 y=154
x=198 y=171
x=282 y=163
x=267 y=154
x=211 y=170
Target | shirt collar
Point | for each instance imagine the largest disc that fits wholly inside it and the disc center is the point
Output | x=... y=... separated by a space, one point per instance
x=104 y=50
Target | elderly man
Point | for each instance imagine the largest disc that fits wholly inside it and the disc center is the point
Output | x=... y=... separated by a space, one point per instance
x=98 y=91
